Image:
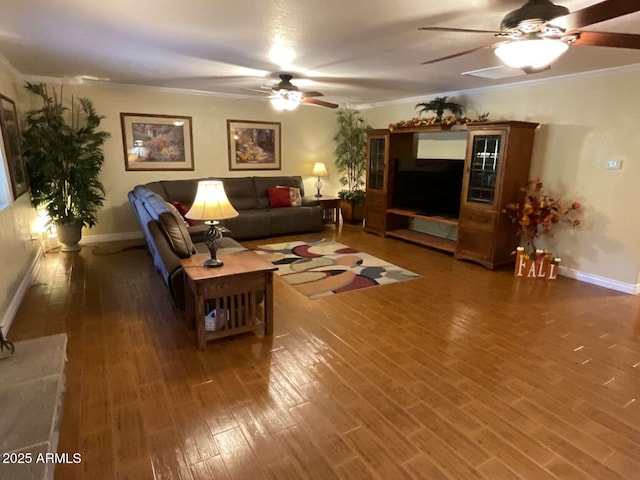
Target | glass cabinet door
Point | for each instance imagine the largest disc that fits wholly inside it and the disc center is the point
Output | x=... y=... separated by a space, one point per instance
x=376 y=163
x=483 y=169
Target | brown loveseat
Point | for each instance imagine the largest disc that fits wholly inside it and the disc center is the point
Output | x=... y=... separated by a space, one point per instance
x=169 y=239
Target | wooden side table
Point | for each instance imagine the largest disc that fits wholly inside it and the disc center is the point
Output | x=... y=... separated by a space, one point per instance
x=331 y=206
x=230 y=294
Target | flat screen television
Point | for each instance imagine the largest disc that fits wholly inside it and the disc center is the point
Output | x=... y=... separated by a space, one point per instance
x=428 y=186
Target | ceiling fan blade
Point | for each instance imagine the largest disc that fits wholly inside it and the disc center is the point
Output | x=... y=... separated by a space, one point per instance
x=459 y=54
x=313 y=93
x=462 y=30
x=599 y=12
x=606 y=39
x=321 y=103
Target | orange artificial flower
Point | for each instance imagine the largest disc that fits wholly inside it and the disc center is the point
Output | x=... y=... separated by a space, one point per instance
x=539 y=211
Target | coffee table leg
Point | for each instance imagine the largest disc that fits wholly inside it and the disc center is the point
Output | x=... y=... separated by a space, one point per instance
x=268 y=303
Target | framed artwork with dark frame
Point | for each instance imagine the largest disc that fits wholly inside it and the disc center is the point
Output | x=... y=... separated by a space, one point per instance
x=253 y=145
x=157 y=142
x=13 y=147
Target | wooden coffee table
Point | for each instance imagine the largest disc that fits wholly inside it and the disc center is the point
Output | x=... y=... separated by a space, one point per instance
x=232 y=291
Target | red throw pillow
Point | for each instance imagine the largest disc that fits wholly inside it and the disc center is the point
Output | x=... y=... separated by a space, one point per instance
x=279 y=197
x=182 y=208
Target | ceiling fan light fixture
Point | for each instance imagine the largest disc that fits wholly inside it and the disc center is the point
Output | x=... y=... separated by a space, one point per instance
x=286 y=99
x=531 y=53
x=284 y=103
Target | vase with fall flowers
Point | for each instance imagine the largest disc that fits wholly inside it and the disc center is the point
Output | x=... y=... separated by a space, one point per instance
x=539 y=212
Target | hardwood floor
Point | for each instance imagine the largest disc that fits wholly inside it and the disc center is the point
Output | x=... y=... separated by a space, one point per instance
x=463 y=373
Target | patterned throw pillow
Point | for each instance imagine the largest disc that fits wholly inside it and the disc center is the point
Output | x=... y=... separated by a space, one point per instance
x=296 y=198
x=294 y=194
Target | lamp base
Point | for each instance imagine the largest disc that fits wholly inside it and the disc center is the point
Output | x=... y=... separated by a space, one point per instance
x=212 y=238
x=212 y=263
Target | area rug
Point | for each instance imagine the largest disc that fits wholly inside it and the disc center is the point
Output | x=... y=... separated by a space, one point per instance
x=318 y=268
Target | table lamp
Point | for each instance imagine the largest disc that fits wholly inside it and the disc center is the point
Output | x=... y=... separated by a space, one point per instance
x=211 y=204
x=319 y=170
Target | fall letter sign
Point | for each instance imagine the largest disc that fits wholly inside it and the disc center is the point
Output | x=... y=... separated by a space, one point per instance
x=539 y=267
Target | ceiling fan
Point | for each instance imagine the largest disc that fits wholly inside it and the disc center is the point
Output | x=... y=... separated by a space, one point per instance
x=539 y=32
x=284 y=95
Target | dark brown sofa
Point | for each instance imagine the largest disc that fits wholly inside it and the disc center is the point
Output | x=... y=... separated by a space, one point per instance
x=165 y=235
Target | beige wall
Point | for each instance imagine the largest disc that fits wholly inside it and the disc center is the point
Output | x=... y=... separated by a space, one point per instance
x=307 y=137
x=585 y=121
x=17 y=250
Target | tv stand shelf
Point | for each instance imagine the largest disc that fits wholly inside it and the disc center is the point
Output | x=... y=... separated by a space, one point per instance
x=398 y=223
x=423 y=239
x=431 y=218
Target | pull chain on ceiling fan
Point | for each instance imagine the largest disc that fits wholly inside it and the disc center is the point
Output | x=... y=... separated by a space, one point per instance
x=539 y=32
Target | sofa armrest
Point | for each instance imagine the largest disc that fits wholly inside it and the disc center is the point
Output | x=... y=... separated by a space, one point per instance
x=310 y=202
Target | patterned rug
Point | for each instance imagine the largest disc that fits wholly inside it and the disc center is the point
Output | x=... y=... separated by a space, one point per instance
x=318 y=268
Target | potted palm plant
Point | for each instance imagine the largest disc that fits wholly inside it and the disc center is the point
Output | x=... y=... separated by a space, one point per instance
x=351 y=163
x=63 y=150
x=439 y=105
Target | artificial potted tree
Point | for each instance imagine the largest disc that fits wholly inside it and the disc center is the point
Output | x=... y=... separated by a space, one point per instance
x=351 y=163
x=63 y=150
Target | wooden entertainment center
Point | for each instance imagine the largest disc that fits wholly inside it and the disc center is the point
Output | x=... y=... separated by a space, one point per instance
x=496 y=165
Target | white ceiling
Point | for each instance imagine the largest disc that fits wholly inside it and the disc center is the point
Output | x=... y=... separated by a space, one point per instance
x=355 y=52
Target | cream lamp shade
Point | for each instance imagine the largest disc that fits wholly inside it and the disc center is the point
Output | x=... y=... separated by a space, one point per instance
x=211 y=202
x=319 y=169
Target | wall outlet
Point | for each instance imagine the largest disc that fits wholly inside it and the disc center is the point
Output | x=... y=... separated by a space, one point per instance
x=613 y=164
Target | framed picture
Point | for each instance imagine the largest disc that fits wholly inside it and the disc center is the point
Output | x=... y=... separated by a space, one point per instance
x=12 y=146
x=156 y=142
x=253 y=145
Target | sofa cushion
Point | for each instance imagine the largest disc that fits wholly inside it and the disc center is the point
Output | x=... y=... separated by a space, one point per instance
x=176 y=229
x=183 y=191
x=287 y=221
x=241 y=192
x=279 y=197
x=250 y=224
